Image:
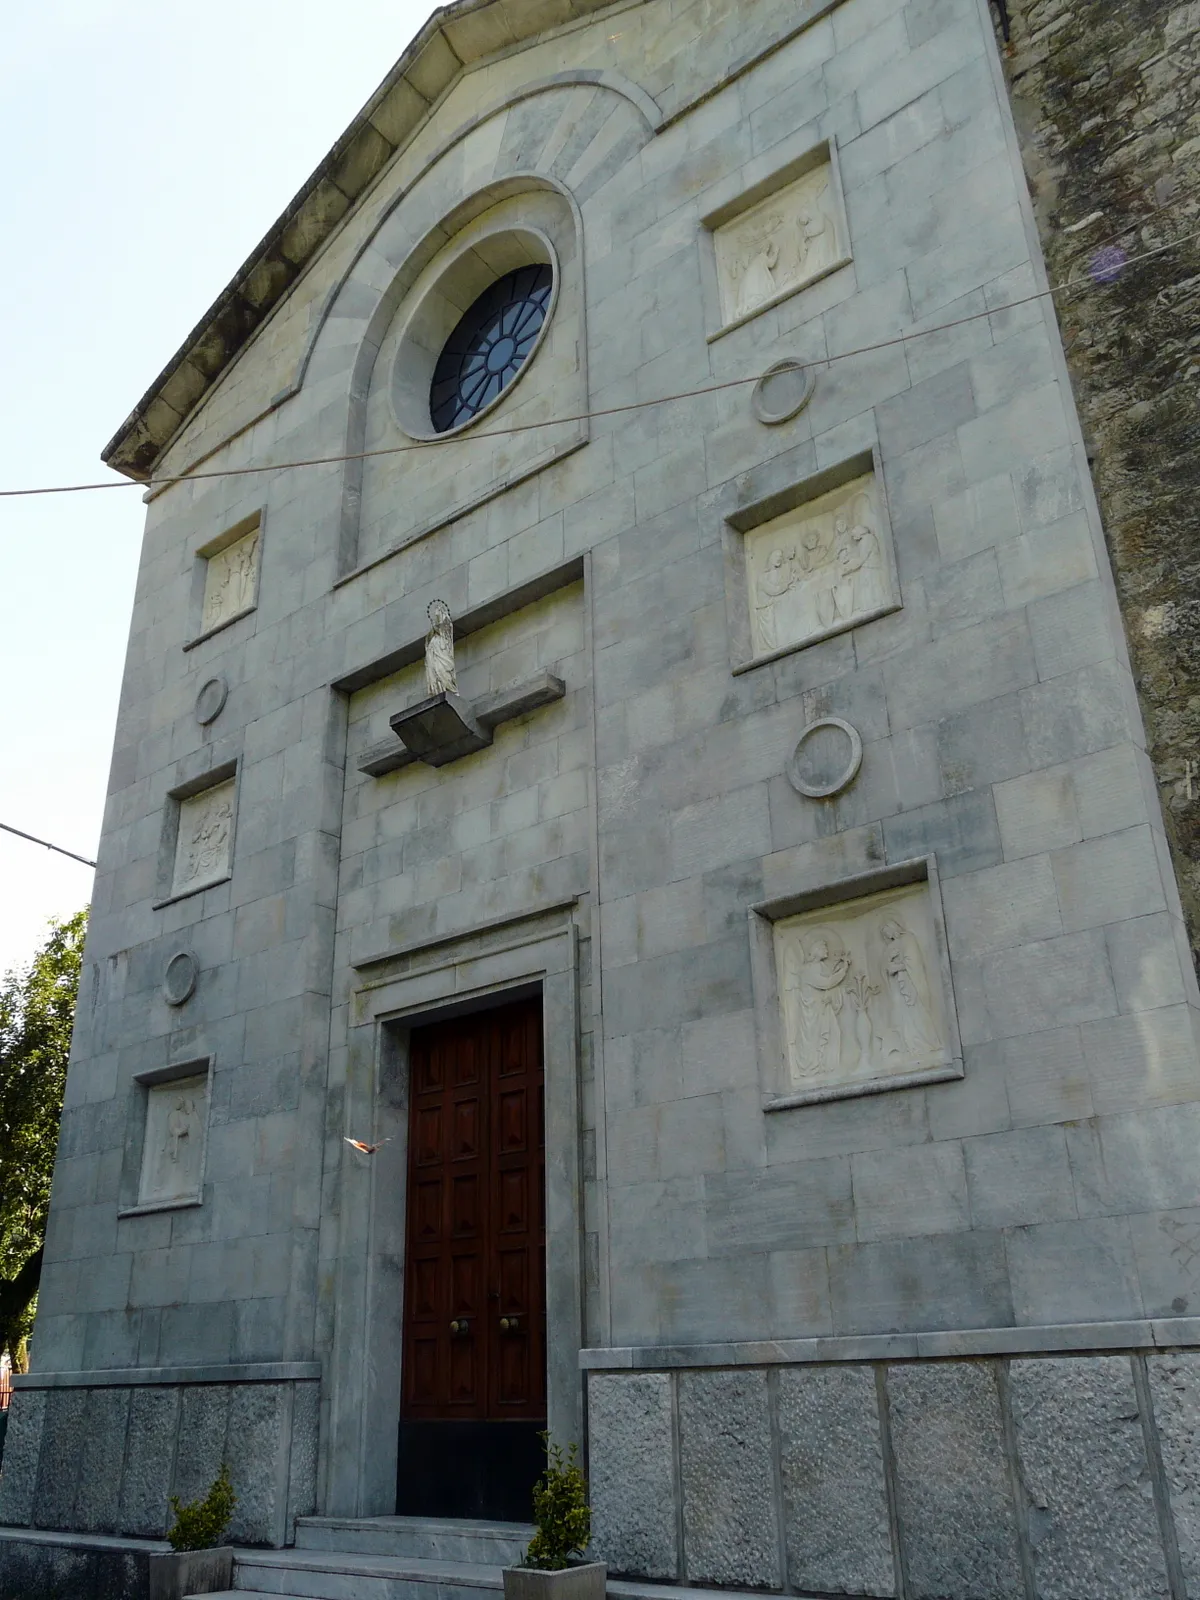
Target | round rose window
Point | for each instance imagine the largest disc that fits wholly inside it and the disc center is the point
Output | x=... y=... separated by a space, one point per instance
x=489 y=346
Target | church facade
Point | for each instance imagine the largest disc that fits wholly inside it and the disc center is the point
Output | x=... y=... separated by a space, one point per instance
x=632 y=897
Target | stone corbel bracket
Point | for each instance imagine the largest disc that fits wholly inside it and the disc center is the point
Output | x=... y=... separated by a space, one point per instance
x=445 y=727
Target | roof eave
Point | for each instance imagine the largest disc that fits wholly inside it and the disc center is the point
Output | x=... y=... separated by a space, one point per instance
x=456 y=36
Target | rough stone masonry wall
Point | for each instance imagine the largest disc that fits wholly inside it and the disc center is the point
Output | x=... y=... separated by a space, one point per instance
x=1032 y=1478
x=1106 y=96
x=105 y=1459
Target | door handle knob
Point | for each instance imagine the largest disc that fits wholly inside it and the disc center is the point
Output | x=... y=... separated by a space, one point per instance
x=509 y=1324
x=460 y=1325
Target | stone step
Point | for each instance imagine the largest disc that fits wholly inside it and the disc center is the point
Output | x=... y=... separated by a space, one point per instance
x=422 y=1538
x=343 y=1575
x=331 y=1575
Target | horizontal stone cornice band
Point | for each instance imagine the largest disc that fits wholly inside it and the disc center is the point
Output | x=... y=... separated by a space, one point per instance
x=131 y=1377
x=1069 y=1338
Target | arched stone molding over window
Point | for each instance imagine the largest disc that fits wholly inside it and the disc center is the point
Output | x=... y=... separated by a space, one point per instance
x=528 y=220
x=529 y=171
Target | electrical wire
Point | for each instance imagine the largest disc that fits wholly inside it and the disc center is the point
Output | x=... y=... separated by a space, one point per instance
x=33 y=839
x=1110 y=274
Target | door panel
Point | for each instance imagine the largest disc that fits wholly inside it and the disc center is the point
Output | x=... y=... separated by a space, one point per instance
x=474 y=1344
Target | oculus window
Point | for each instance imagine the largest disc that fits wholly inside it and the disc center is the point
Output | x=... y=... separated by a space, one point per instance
x=489 y=346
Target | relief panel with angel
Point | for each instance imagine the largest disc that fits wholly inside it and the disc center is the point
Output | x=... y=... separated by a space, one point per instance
x=818 y=569
x=860 y=991
x=779 y=245
x=173 y=1152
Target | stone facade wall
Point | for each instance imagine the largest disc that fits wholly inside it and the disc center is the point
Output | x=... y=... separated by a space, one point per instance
x=1036 y=1477
x=106 y=1459
x=1107 y=104
x=623 y=848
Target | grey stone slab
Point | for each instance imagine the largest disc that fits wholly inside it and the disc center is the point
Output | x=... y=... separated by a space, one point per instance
x=72 y=1565
x=1092 y=1524
x=149 y=1458
x=631 y=1467
x=730 y=1530
x=919 y=1189
x=834 y=1496
x=1017 y=1177
x=302 y=1468
x=1072 y=1271
x=779 y=1208
x=952 y=1280
x=1175 y=1394
x=58 y=1470
x=254 y=1444
x=22 y=1452
x=961 y=831
x=958 y=1523
x=203 y=1417
x=98 y=1497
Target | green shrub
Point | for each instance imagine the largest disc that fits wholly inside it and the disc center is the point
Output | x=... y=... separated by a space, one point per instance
x=560 y=1510
x=202 y=1525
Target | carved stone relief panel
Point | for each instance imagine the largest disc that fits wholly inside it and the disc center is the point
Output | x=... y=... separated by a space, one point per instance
x=230 y=581
x=775 y=247
x=860 y=991
x=818 y=569
x=173 y=1151
x=204 y=843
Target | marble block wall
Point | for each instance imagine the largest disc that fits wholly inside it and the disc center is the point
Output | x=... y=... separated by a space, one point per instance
x=106 y=1459
x=1038 y=1477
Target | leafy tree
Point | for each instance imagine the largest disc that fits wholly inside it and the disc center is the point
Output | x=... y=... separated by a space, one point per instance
x=37 y=1010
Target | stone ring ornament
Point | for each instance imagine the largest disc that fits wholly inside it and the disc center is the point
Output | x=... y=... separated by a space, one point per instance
x=210 y=701
x=179 y=979
x=782 y=392
x=828 y=778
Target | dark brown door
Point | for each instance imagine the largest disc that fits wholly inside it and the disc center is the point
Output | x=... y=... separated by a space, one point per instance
x=474 y=1347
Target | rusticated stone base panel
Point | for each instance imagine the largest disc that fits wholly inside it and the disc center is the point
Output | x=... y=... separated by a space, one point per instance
x=1055 y=1476
x=107 y=1459
x=71 y=1568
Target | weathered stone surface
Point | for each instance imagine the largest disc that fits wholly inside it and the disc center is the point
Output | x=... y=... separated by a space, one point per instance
x=62 y=1448
x=37 y=1570
x=835 y=1502
x=1092 y=1524
x=729 y=1523
x=302 y=1470
x=98 y=1498
x=203 y=1414
x=953 y=1489
x=1129 y=354
x=632 y=1474
x=153 y=1425
x=22 y=1450
x=255 y=1441
x=1175 y=1391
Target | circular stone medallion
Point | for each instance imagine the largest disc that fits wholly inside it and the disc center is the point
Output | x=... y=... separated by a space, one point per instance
x=782 y=392
x=179 y=980
x=826 y=759
x=210 y=702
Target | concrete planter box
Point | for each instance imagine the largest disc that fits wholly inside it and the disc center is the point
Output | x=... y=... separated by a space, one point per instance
x=584 y=1582
x=184 y=1572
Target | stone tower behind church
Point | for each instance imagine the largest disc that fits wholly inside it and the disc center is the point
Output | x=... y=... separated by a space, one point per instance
x=737 y=1009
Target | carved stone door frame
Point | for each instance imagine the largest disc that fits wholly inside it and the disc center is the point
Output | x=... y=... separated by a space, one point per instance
x=532 y=953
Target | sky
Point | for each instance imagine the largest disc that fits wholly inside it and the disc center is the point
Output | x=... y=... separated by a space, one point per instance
x=148 y=148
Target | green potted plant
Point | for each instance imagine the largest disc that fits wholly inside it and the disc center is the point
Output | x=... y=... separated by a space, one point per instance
x=564 y=1527
x=198 y=1563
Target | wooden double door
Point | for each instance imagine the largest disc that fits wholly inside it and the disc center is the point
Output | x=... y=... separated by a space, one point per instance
x=474 y=1342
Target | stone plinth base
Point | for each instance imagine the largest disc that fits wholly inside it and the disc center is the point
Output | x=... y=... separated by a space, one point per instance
x=72 y=1566
x=1049 y=1472
x=102 y=1452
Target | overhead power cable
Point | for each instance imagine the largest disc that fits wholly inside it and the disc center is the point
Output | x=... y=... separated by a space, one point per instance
x=33 y=839
x=1106 y=272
